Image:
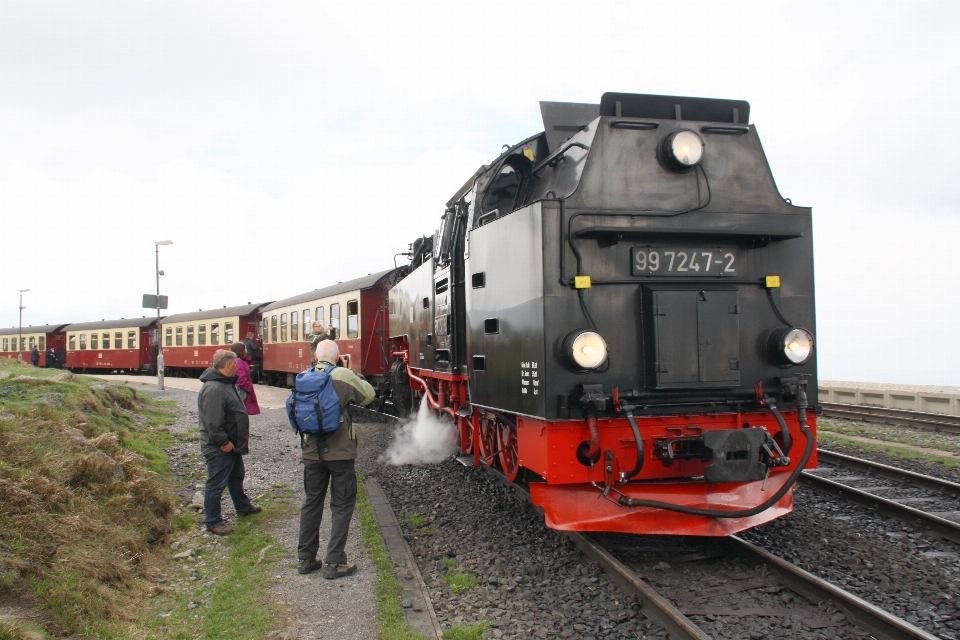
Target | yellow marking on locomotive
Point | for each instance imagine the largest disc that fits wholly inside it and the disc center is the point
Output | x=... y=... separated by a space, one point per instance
x=529 y=154
x=582 y=282
x=773 y=282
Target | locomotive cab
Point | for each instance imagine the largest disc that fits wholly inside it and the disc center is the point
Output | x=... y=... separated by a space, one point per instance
x=622 y=306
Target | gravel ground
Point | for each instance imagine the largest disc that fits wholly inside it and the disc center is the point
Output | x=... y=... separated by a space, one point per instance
x=343 y=609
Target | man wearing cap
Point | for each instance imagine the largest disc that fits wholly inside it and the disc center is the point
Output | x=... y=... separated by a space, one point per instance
x=334 y=468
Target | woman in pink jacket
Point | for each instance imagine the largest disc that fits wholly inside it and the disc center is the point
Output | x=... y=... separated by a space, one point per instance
x=244 y=383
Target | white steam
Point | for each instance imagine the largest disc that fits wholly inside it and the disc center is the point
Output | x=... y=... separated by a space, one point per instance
x=424 y=440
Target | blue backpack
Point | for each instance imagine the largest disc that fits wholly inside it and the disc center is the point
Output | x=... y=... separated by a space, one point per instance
x=313 y=405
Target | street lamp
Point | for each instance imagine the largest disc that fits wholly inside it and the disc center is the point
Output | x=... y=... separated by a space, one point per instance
x=159 y=337
x=20 y=332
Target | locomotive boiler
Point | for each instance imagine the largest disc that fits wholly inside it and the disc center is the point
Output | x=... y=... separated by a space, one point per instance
x=619 y=311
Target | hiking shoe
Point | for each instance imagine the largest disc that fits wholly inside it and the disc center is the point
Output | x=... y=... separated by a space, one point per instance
x=333 y=571
x=222 y=529
x=306 y=566
x=253 y=509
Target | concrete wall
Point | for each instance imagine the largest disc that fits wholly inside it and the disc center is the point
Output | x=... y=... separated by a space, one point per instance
x=929 y=399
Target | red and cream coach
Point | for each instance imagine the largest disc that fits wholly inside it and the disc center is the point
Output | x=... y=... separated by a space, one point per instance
x=356 y=309
x=127 y=344
x=43 y=337
x=190 y=339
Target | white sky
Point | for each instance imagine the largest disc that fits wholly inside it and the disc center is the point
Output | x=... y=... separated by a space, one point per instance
x=288 y=146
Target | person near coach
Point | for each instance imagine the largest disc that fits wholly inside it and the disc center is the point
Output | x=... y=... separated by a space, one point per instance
x=51 y=358
x=224 y=440
x=253 y=351
x=316 y=336
x=244 y=382
x=334 y=469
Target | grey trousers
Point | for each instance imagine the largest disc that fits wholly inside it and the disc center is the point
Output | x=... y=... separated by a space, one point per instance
x=340 y=476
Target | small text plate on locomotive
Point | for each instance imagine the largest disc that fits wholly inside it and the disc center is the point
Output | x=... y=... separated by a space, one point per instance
x=679 y=261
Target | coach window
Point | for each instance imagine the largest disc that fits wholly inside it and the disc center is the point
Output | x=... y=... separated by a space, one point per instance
x=179 y=336
x=215 y=333
x=73 y=342
x=93 y=342
x=6 y=343
x=105 y=343
x=335 y=318
x=273 y=328
x=352 y=310
x=43 y=343
x=190 y=335
x=169 y=336
x=283 y=327
x=202 y=335
x=306 y=323
x=262 y=329
x=228 y=333
x=118 y=339
x=131 y=339
x=83 y=342
x=294 y=327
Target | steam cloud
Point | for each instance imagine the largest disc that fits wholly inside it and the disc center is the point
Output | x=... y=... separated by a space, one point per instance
x=424 y=440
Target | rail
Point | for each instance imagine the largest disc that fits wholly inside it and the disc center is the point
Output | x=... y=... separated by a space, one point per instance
x=883 y=415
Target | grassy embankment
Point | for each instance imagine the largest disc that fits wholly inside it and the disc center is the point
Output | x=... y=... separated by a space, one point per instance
x=83 y=500
x=901 y=442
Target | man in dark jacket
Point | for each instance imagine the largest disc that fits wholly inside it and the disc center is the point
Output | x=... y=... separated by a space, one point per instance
x=333 y=468
x=51 y=357
x=224 y=440
x=35 y=356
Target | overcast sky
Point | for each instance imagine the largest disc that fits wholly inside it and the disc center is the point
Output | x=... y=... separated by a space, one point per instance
x=287 y=146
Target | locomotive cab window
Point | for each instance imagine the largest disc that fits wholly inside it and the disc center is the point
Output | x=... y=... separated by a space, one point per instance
x=353 y=328
x=504 y=190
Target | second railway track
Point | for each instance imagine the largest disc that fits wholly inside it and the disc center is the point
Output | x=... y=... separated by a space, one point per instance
x=883 y=415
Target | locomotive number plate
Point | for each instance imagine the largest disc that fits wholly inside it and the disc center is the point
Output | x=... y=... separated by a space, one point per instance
x=668 y=261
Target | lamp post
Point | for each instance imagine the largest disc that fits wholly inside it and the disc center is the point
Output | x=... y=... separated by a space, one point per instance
x=159 y=337
x=20 y=331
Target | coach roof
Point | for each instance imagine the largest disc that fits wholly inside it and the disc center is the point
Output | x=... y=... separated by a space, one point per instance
x=343 y=287
x=111 y=324
x=223 y=312
x=44 y=328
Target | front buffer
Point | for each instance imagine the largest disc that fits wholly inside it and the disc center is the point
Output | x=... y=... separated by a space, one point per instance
x=714 y=462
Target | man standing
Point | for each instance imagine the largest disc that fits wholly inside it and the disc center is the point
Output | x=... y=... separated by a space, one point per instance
x=333 y=468
x=315 y=337
x=224 y=437
x=51 y=357
x=252 y=349
x=35 y=356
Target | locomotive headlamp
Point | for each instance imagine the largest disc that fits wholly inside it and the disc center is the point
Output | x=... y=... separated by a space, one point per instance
x=791 y=345
x=682 y=150
x=584 y=349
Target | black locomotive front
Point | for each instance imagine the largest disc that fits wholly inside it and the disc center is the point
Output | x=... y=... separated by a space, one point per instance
x=624 y=305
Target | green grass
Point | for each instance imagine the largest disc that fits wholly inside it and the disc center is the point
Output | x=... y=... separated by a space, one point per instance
x=83 y=495
x=417 y=520
x=466 y=631
x=459 y=581
x=428 y=531
x=393 y=625
x=892 y=433
x=21 y=630
x=891 y=449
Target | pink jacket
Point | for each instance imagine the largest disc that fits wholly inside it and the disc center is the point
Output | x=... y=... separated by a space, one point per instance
x=245 y=383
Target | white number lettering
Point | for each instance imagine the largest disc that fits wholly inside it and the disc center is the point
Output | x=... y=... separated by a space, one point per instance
x=693 y=264
x=683 y=261
x=654 y=261
x=641 y=260
x=729 y=268
x=672 y=255
x=709 y=258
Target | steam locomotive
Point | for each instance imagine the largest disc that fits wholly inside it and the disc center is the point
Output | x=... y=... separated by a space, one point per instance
x=619 y=311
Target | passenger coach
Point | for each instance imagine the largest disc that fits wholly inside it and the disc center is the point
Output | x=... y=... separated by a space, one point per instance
x=357 y=310
x=127 y=344
x=189 y=339
x=43 y=337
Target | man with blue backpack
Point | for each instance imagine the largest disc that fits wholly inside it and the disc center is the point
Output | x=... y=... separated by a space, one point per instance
x=317 y=410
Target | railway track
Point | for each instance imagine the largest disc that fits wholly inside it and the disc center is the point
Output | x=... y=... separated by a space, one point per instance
x=902 y=488
x=776 y=574
x=930 y=421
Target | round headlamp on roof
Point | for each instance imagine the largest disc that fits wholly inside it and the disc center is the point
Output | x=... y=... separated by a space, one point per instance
x=682 y=150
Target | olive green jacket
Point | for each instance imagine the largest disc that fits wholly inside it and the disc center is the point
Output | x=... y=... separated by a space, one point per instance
x=342 y=444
